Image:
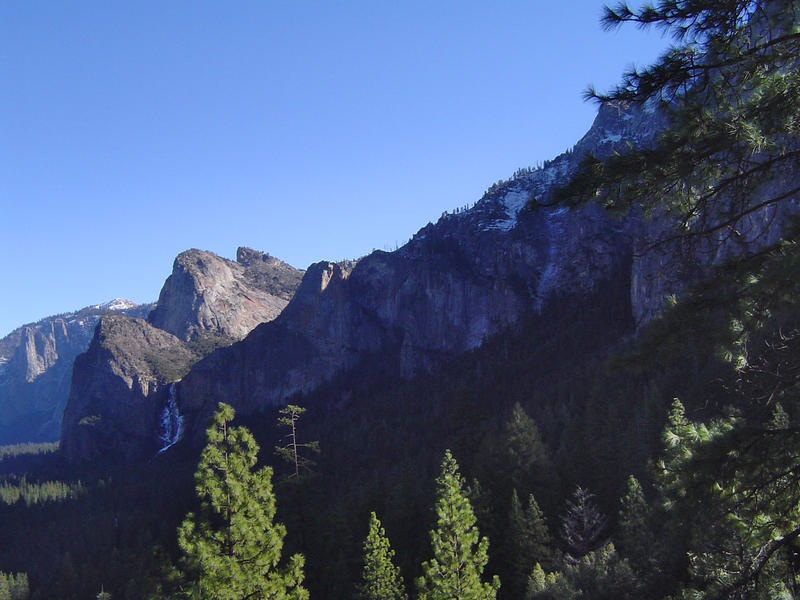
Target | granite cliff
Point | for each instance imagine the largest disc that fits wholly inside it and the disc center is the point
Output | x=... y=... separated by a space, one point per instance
x=474 y=273
x=36 y=368
x=208 y=294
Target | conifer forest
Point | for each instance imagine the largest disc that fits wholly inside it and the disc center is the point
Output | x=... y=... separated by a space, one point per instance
x=577 y=455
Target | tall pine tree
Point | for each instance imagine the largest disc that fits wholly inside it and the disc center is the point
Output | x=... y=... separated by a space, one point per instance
x=232 y=546
x=459 y=553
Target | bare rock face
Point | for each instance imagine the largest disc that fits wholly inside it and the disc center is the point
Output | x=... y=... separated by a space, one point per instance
x=207 y=294
x=119 y=389
x=36 y=366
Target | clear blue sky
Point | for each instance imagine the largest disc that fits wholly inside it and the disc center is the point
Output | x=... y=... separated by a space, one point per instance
x=130 y=131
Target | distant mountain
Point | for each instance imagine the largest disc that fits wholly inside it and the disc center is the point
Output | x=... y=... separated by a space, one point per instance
x=207 y=302
x=36 y=368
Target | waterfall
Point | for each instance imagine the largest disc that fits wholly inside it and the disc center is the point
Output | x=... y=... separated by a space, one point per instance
x=171 y=422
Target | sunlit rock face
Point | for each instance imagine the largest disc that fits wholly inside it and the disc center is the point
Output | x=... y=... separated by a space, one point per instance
x=209 y=294
x=36 y=366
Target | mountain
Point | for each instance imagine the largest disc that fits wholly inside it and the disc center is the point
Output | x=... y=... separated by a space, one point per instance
x=36 y=366
x=471 y=275
x=130 y=361
x=475 y=273
x=207 y=302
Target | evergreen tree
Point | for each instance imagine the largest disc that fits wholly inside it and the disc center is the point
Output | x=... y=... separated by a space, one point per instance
x=14 y=586
x=718 y=171
x=103 y=595
x=459 y=553
x=528 y=543
x=728 y=91
x=743 y=543
x=232 y=547
x=380 y=578
x=598 y=575
x=780 y=420
x=523 y=462
x=635 y=538
x=582 y=524
x=291 y=452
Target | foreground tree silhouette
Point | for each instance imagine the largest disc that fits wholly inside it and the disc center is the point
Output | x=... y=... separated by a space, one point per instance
x=459 y=553
x=729 y=91
x=724 y=168
x=380 y=578
x=232 y=546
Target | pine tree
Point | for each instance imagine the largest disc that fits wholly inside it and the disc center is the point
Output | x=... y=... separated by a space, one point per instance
x=582 y=524
x=729 y=91
x=380 y=578
x=459 y=553
x=523 y=462
x=103 y=595
x=232 y=547
x=528 y=543
x=635 y=538
x=722 y=171
x=291 y=452
x=719 y=171
x=18 y=586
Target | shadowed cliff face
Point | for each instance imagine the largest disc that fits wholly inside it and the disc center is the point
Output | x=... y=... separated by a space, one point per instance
x=118 y=388
x=442 y=294
x=473 y=274
x=36 y=367
x=209 y=294
x=470 y=275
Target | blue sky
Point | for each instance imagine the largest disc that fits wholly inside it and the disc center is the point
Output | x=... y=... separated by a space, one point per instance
x=130 y=131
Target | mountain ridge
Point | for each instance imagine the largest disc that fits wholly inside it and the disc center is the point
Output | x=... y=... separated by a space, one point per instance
x=469 y=276
x=455 y=283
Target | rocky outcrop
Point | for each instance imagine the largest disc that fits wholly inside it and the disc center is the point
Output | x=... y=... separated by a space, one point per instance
x=36 y=367
x=119 y=389
x=207 y=302
x=207 y=294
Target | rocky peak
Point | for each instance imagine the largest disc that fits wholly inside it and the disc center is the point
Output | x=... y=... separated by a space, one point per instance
x=35 y=368
x=265 y=272
x=208 y=294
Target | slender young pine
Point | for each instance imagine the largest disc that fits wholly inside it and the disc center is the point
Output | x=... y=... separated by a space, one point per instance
x=291 y=452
